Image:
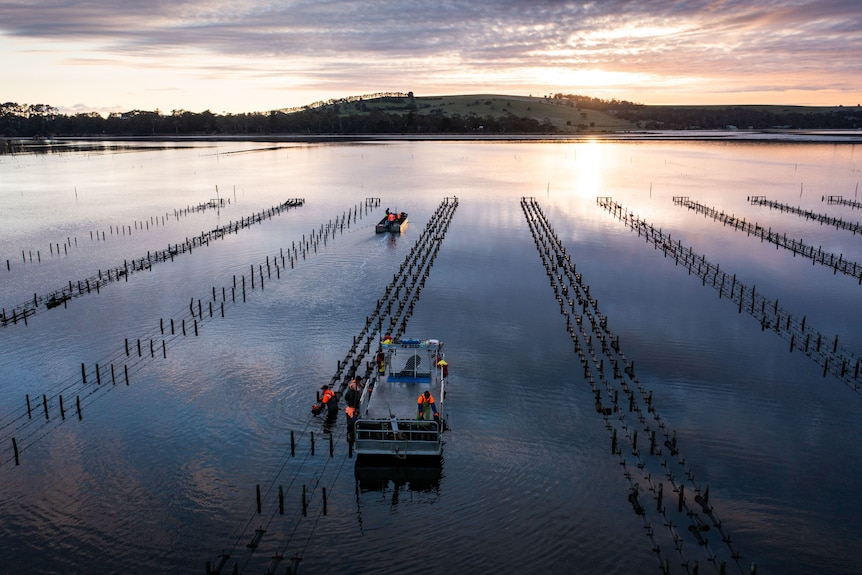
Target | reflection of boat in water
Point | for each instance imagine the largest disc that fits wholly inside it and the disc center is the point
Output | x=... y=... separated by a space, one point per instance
x=404 y=484
x=389 y=423
x=417 y=478
x=392 y=222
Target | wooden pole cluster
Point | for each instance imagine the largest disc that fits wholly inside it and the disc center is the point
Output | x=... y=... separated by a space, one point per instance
x=817 y=255
x=823 y=219
x=143 y=225
x=77 y=289
x=835 y=360
x=839 y=200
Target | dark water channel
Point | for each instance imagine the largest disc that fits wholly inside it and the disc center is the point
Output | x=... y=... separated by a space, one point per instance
x=159 y=475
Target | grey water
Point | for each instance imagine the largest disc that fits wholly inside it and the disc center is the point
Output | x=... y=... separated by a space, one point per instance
x=159 y=475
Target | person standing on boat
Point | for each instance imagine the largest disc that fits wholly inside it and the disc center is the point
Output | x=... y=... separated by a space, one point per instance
x=442 y=364
x=354 y=392
x=426 y=406
x=381 y=361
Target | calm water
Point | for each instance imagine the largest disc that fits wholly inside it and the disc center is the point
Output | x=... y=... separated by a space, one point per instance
x=160 y=475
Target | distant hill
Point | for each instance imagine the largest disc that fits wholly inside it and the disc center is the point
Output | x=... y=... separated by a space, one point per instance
x=569 y=113
x=404 y=113
x=558 y=114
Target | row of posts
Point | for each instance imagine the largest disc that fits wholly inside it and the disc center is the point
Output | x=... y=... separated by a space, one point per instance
x=561 y=260
x=62 y=296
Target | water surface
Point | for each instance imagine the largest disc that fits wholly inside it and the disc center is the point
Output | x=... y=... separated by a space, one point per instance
x=160 y=475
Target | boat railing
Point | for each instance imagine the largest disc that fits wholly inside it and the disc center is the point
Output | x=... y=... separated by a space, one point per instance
x=442 y=398
x=400 y=438
x=365 y=397
x=400 y=430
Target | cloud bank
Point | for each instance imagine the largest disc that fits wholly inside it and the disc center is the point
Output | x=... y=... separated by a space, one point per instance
x=252 y=55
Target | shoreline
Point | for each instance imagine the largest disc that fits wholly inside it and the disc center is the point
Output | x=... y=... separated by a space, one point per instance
x=785 y=136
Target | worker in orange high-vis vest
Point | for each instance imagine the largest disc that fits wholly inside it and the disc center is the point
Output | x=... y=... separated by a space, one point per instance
x=426 y=406
x=329 y=400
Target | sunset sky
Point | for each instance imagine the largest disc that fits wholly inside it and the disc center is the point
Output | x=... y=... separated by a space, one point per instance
x=258 y=55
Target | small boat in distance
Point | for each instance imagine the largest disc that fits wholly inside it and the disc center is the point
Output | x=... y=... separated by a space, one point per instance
x=401 y=412
x=392 y=222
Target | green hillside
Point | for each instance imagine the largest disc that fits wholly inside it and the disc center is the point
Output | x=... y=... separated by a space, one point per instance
x=563 y=115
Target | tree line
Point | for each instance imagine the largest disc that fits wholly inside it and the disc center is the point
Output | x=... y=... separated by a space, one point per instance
x=40 y=120
x=395 y=112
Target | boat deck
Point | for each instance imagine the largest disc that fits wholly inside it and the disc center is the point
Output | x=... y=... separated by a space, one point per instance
x=398 y=399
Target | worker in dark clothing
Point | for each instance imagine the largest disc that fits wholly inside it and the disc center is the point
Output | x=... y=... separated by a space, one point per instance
x=354 y=392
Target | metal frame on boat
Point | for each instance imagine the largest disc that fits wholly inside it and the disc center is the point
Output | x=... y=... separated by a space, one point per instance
x=386 y=424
